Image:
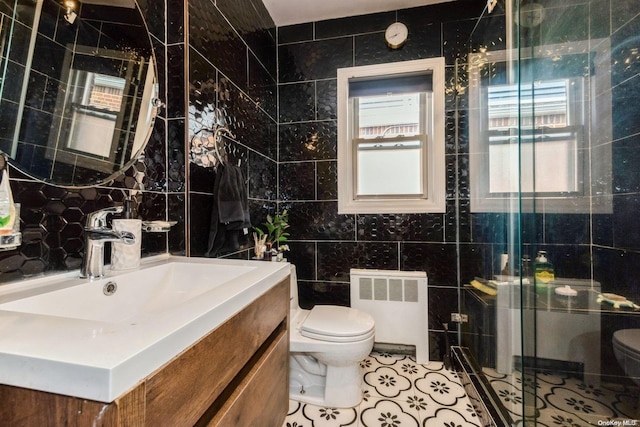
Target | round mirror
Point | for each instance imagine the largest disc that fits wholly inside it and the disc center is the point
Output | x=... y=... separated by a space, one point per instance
x=78 y=95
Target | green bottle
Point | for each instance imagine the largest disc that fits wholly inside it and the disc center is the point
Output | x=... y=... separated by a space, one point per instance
x=543 y=272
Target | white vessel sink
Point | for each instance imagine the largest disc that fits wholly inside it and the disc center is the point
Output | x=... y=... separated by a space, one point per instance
x=62 y=334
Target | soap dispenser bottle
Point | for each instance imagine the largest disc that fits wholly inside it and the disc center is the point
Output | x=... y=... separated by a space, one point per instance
x=543 y=272
x=124 y=256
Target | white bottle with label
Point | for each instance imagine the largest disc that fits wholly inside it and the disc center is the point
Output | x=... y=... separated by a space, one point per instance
x=7 y=208
x=124 y=256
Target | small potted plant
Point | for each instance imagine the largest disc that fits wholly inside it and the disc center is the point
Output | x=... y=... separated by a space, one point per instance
x=274 y=234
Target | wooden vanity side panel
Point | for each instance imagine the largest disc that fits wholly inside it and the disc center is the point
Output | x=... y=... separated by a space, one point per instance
x=180 y=392
x=131 y=407
x=32 y=408
x=262 y=399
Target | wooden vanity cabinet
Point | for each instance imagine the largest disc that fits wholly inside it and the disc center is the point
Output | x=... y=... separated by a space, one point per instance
x=235 y=376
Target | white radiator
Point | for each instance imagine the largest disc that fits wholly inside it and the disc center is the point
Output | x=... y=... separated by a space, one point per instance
x=397 y=300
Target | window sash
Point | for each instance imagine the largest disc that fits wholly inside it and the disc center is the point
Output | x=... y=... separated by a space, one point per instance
x=389 y=147
x=385 y=143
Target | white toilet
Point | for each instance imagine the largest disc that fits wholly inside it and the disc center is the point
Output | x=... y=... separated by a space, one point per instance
x=626 y=347
x=327 y=344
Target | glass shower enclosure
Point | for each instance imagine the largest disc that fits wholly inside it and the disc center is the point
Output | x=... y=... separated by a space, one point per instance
x=548 y=94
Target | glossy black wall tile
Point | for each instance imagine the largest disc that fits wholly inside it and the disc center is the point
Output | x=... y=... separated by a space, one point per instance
x=254 y=25
x=626 y=119
x=262 y=177
x=323 y=293
x=400 y=227
x=262 y=87
x=626 y=233
x=335 y=259
x=175 y=81
x=314 y=60
x=199 y=222
x=319 y=221
x=326 y=102
x=295 y=33
x=176 y=158
x=297 y=181
x=52 y=222
x=210 y=34
x=175 y=21
x=154 y=174
x=303 y=256
x=297 y=102
x=308 y=141
x=441 y=303
x=327 y=180
x=251 y=125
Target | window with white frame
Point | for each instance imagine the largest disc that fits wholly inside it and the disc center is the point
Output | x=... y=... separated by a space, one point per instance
x=391 y=138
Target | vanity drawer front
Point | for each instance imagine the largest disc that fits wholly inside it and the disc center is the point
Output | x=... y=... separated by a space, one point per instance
x=180 y=392
x=262 y=397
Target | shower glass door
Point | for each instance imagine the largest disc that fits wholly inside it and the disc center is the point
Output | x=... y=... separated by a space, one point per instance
x=552 y=91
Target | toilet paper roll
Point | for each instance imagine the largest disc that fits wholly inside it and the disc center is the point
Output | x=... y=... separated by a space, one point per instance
x=123 y=256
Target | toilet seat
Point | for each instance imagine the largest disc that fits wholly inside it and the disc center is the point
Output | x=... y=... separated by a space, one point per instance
x=337 y=324
x=628 y=340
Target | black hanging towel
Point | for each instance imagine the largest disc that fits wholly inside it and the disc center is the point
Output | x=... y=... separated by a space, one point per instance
x=230 y=213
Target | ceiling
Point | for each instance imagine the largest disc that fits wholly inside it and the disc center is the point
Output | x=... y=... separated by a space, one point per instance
x=288 y=12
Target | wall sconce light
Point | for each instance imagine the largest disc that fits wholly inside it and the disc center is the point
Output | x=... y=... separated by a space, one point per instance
x=70 y=15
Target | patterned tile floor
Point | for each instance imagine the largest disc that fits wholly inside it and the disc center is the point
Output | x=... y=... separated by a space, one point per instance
x=398 y=392
x=561 y=400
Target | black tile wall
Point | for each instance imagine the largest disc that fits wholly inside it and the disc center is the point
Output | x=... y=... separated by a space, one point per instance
x=314 y=60
x=295 y=33
x=210 y=33
x=175 y=21
x=336 y=258
x=175 y=81
x=232 y=67
x=252 y=22
x=297 y=102
x=308 y=141
x=331 y=244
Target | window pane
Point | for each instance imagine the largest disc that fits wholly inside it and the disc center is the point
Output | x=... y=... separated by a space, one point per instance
x=389 y=168
x=389 y=116
x=549 y=105
x=555 y=167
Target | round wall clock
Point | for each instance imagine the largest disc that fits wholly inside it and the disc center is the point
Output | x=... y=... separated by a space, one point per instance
x=396 y=35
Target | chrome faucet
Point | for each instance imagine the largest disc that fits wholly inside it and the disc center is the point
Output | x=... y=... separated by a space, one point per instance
x=96 y=234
